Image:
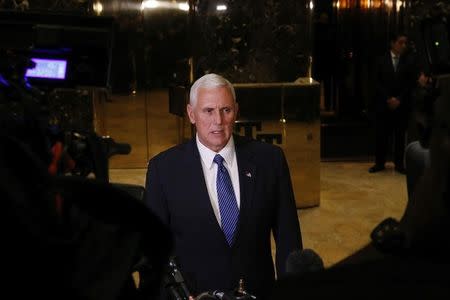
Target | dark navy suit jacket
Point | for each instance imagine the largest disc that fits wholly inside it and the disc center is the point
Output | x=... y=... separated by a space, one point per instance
x=176 y=191
x=394 y=84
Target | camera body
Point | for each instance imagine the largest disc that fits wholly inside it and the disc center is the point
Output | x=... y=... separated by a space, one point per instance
x=69 y=50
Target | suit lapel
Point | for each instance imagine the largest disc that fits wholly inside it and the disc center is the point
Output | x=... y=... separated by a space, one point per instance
x=196 y=182
x=401 y=64
x=247 y=177
x=390 y=64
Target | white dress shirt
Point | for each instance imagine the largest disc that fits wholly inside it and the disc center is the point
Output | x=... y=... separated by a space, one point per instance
x=210 y=172
x=395 y=63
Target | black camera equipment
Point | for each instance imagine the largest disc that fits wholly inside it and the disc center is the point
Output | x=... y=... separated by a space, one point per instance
x=50 y=67
x=25 y=115
x=219 y=295
x=177 y=289
x=69 y=50
x=174 y=282
x=92 y=152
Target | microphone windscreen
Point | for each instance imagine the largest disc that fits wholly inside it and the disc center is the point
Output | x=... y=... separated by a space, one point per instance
x=303 y=261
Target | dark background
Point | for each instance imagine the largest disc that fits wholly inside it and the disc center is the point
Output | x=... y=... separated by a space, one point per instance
x=256 y=41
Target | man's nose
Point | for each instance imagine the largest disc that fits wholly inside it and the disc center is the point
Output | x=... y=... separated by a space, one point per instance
x=218 y=117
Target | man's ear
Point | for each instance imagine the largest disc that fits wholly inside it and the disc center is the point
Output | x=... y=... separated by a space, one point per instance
x=190 y=111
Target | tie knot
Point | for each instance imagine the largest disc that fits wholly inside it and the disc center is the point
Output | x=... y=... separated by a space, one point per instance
x=218 y=159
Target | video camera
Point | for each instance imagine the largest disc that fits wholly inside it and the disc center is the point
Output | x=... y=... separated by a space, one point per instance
x=69 y=50
x=61 y=140
x=50 y=67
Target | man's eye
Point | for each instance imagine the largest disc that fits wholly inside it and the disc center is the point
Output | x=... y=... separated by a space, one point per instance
x=227 y=110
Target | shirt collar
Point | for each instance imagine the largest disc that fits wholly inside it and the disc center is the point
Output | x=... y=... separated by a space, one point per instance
x=394 y=56
x=228 y=153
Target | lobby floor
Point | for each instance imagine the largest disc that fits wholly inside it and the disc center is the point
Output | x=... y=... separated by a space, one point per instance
x=352 y=201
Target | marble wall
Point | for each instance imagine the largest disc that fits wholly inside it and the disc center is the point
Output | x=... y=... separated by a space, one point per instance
x=253 y=40
x=249 y=41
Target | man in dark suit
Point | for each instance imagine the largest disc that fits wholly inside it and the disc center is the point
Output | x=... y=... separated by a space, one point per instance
x=222 y=195
x=395 y=77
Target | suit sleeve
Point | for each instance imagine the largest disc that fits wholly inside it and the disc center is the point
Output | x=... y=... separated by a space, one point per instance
x=286 y=229
x=381 y=91
x=154 y=196
x=155 y=199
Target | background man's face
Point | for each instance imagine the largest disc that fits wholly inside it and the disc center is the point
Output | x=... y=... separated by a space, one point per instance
x=400 y=45
x=213 y=116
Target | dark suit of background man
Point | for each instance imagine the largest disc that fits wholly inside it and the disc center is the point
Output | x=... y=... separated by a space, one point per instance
x=181 y=189
x=394 y=80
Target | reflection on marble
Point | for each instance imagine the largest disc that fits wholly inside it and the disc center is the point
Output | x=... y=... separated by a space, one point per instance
x=253 y=41
x=143 y=121
x=301 y=146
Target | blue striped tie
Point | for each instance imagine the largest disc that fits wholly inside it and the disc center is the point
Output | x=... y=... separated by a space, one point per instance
x=229 y=211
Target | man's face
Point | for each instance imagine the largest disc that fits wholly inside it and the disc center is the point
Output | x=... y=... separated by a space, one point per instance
x=213 y=116
x=400 y=45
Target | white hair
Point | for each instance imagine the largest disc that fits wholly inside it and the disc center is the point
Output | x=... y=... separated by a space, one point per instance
x=209 y=81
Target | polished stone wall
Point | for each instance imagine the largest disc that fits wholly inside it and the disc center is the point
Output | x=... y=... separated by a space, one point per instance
x=253 y=40
x=250 y=41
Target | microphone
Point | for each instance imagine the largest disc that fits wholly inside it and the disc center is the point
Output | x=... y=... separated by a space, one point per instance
x=174 y=282
x=237 y=294
x=219 y=295
x=216 y=295
x=303 y=261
